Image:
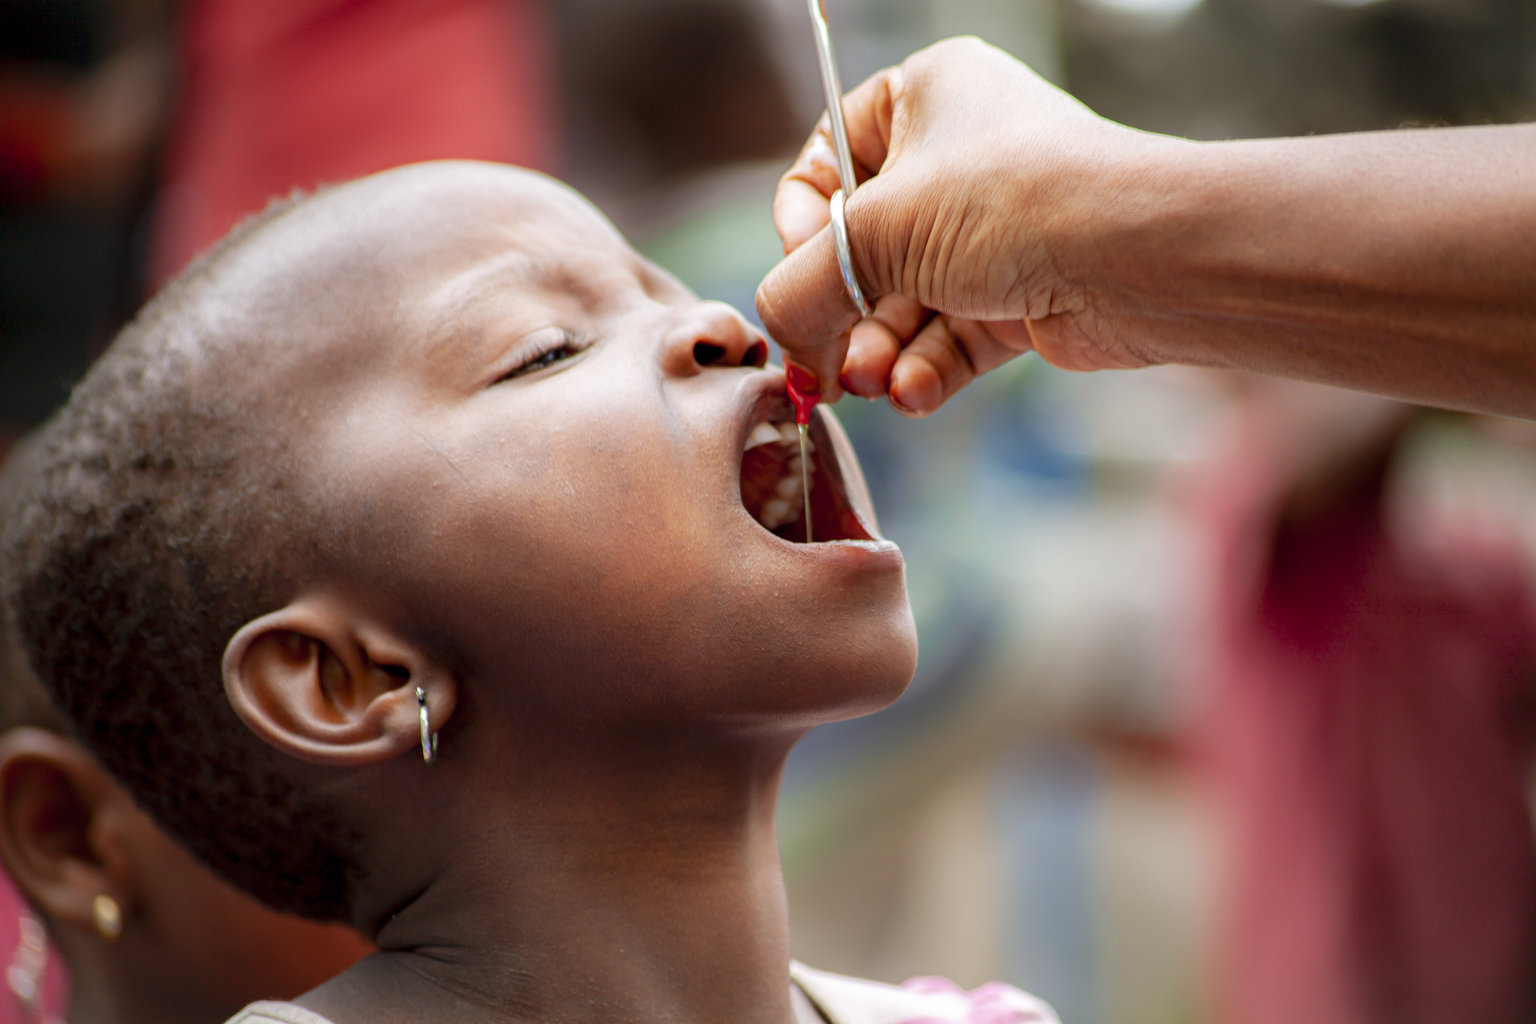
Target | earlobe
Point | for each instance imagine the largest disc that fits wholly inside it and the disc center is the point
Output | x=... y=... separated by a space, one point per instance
x=51 y=797
x=325 y=684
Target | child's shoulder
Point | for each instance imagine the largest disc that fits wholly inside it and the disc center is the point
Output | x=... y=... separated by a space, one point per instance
x=844 y=1000
x=840 y=999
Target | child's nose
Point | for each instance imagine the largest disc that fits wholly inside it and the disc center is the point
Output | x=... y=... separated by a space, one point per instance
x=712 y=334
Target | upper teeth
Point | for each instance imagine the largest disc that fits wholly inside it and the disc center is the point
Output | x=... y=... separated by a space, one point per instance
x=775 y=433
x=763 y=433
x=789 y=491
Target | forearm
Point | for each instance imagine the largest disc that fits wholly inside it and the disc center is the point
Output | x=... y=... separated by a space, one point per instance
x=1402 y=263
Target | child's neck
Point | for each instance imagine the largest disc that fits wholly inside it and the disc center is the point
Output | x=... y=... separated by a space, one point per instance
x=638 y=885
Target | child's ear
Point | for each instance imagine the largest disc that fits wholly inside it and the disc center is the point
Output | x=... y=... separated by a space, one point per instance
x=327 y=684
x=59 y=835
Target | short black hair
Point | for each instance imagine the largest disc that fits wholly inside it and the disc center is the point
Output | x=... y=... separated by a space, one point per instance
x=23 y=701
x=155 y=517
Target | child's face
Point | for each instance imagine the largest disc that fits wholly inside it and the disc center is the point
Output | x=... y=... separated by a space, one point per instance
x=527 y=453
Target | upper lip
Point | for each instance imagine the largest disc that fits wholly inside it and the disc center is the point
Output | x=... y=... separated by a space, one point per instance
x=764 y=399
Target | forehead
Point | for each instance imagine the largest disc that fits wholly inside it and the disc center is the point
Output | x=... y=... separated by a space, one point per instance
x=412 y=253
x=469 y=221
x=428 y=222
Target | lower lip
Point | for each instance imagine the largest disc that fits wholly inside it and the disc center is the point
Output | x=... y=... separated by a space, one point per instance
x=856 y=554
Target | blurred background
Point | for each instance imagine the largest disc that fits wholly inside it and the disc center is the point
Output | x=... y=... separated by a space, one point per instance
x=1223 y=710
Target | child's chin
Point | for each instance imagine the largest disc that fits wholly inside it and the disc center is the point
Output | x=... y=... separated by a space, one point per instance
x=873 y=673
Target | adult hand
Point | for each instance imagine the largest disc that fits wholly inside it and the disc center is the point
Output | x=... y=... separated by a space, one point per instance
x=1000 y=216
x=967 y=236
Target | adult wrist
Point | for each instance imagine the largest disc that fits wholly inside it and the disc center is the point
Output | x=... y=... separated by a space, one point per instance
x=1123 y=240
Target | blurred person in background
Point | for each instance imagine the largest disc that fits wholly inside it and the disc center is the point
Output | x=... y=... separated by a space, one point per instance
x=83 y=84
x=1371 y=668
x=274 y=95
x=661 y=97
x=144 y=932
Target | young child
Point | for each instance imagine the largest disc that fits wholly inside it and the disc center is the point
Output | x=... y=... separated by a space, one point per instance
x=146 y=932
x=413 y=539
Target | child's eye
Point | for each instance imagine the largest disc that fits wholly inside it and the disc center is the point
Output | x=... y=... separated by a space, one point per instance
x=546 y=350
x=548 y=358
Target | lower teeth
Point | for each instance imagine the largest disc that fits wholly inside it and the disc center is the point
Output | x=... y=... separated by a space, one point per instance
x=777 y=512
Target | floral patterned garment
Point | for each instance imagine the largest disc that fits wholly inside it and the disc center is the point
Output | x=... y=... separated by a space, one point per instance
x=844 y=1000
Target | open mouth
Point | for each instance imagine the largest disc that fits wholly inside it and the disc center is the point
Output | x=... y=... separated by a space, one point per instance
x=773 y=484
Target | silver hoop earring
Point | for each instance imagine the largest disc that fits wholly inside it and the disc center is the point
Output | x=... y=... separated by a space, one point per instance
x=428 y=737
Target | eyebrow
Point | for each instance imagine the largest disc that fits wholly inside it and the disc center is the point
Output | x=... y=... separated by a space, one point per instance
x=493 y=281
x=452 y=301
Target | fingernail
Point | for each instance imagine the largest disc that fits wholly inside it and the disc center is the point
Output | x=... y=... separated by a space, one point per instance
x=890 y=396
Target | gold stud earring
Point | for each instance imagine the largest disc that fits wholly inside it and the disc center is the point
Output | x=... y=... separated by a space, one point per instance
x=108 y=917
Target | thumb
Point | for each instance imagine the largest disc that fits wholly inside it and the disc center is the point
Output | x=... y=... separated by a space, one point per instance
x=804 y=306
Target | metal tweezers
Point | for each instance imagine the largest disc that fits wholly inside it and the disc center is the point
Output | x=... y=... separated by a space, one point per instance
x=833 y=90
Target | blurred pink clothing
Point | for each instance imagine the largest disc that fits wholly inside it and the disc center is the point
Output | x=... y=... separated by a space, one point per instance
x=36 y=989
x=284 y=94
x=1370 y=736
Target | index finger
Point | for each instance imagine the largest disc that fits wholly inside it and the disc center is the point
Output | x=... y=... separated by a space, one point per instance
x=800 y=202
x=804 y=306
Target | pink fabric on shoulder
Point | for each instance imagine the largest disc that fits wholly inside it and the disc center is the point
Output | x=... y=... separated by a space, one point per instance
x=993 y=1003
x=845 y=1000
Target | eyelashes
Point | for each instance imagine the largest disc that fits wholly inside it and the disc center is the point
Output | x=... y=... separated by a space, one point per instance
x=550 y=347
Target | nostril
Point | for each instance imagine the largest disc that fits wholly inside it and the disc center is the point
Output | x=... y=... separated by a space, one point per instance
x=707 y=353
